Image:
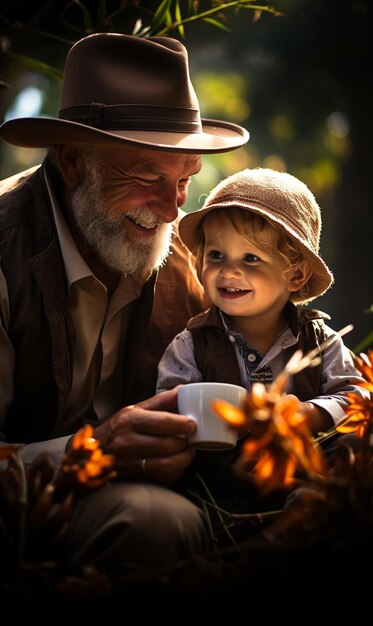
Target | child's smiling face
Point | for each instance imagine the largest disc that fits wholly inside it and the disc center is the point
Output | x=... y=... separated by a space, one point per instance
x=242 y=278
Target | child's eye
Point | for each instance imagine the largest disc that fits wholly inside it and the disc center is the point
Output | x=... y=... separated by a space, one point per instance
x=215 y=255
x=250 y=258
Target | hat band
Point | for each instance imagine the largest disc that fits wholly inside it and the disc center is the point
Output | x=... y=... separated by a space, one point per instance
x=135 y=117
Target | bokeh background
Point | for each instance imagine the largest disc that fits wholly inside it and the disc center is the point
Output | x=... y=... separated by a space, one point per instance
x=301 y=83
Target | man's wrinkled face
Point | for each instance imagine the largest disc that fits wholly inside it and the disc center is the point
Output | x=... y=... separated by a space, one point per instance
x=127 y=203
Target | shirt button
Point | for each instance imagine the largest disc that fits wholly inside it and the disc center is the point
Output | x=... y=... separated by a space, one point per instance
x=251 y=357
x=231 y=339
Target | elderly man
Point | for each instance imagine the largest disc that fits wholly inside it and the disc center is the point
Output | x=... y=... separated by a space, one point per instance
x=94 y=283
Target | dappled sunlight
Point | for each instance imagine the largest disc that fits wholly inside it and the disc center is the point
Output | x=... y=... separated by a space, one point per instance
x=338 y=124
x=275 y=162
x=223 y=94
x=281 y=127
x=323 y=175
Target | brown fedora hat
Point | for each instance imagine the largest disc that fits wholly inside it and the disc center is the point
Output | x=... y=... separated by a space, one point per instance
x=127 y=89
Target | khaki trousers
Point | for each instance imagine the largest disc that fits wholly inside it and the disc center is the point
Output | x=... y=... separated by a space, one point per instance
x=123 y=527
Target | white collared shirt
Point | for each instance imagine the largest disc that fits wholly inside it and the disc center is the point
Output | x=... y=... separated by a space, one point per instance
x=100 y=323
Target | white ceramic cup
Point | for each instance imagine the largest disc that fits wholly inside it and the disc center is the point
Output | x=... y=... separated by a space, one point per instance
x=194 y=400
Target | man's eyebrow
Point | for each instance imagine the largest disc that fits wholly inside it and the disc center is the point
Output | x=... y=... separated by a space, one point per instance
x=150 y=169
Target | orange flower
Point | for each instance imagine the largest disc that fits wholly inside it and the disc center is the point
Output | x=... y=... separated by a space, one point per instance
x=83 y=439
x=364 y=363
x=359 y=415
x=86 y=463
x=280 y=441
x=359 y=411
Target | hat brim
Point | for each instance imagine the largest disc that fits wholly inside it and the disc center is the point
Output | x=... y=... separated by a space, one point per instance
x=322 y=277
x=39 y=132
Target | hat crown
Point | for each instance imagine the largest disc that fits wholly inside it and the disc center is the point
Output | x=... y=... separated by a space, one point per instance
x=286 y=200
x=114 y=69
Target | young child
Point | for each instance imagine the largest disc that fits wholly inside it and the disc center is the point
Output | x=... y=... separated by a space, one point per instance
x=256 y=240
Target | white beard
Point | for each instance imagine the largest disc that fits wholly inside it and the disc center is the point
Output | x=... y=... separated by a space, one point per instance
x=105 y=232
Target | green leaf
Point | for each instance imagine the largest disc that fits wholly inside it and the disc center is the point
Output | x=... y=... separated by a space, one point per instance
x=216 y=23
x=101 y=12
x=87 y=21
x=192 y=7
x=179 y=18
x=205 y=15
x=260 y=7
x=139 y=30
x=34 y=64
x=162 y=14
x=365 y=343
x=145 y=32
x=137 y=27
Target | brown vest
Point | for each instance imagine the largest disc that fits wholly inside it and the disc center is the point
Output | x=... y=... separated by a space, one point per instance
x=215 y=356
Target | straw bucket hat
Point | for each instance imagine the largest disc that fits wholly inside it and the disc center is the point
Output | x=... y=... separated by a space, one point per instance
x=126 y=89
x=281 y=199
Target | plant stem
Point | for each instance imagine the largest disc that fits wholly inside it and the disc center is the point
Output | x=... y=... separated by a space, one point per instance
x=210 y=12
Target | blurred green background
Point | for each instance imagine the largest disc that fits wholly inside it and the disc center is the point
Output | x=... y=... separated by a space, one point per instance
x=300 y=83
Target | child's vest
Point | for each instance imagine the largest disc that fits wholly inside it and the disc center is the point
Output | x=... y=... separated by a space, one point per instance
x=216 y=359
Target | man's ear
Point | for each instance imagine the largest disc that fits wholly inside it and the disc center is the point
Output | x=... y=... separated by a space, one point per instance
x=297 y=277
x=71 y=165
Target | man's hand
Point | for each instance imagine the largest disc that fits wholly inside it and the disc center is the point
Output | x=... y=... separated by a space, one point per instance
x=150 y=430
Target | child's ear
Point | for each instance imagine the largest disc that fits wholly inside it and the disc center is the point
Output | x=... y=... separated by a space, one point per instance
x=299 y=276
